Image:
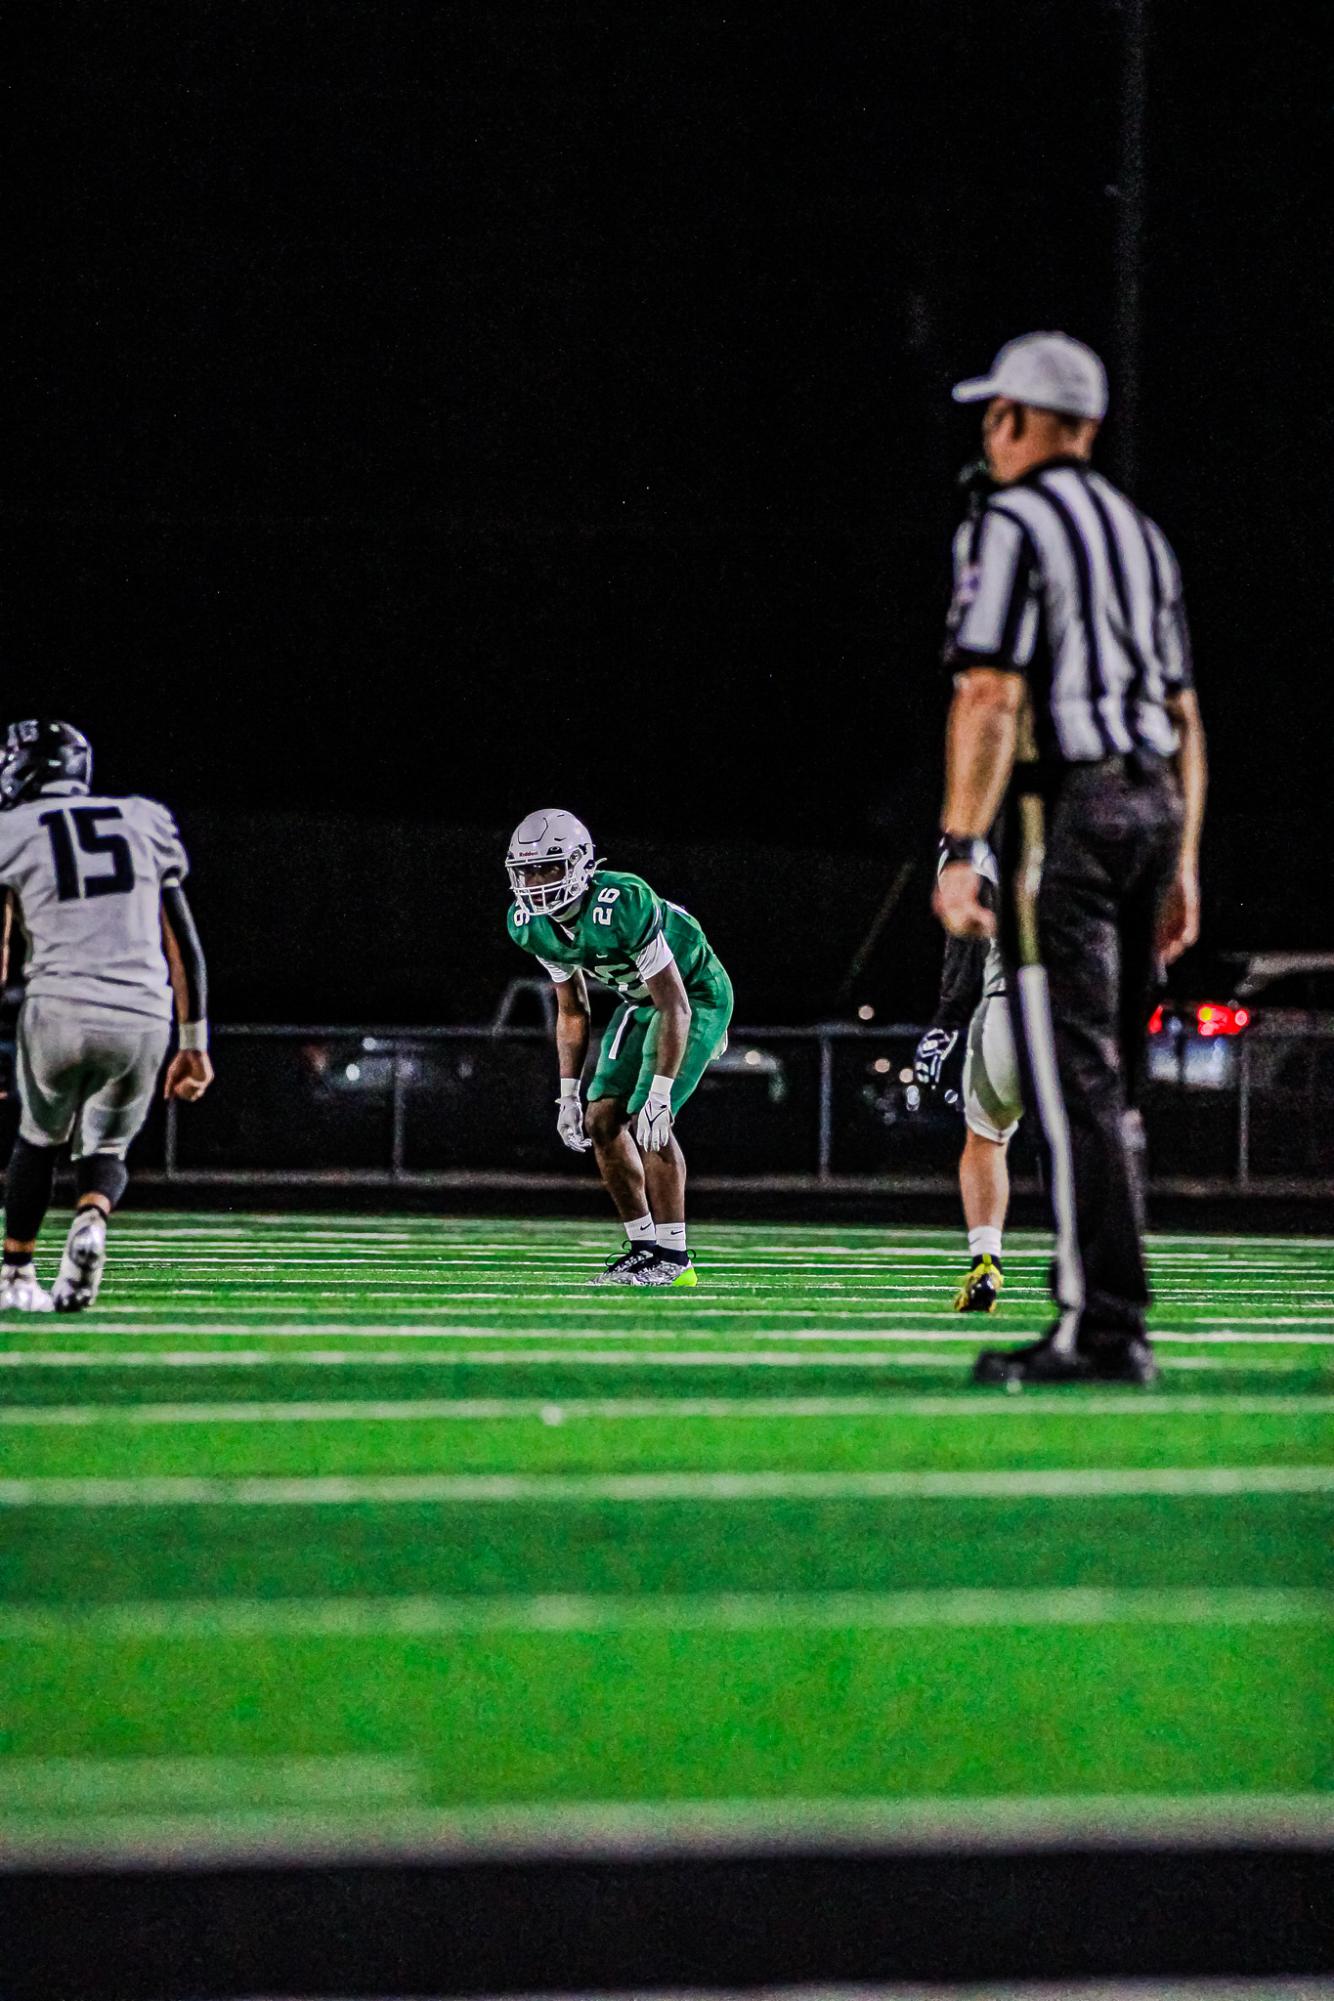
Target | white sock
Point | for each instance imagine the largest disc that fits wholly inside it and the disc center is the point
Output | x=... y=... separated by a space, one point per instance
x=672 y=1237
x=20 y=1268
x=642 y=1230
x=984 y=1242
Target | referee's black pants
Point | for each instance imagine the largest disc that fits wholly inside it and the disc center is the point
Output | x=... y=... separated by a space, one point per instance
x=1088 y=854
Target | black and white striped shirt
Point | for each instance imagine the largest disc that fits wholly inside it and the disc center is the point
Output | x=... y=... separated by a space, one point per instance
x=1062 y=579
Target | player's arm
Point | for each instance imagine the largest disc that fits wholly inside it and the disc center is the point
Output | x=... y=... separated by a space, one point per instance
x=1179 y=917
x=572 y=1018
x=190 y=1072
x=653 y=1128
x=980 y=740
x=668 y=996
x=6 y=935
x=6 y=1018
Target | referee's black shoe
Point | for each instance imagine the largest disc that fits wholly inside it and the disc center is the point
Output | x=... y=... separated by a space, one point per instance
x=1121 y=1358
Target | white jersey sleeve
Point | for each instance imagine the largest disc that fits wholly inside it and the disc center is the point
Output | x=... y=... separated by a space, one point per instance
x=654 y=957
x=165 y=838
x=87 y=872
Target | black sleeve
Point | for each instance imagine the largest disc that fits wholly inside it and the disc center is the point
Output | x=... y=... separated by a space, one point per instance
x=960 y=981
x=192 y=952
x=962 y=972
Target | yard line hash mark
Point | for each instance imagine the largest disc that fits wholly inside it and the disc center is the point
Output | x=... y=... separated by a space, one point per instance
x=1054 y=1483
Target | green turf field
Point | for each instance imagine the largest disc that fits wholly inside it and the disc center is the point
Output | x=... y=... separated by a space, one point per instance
x=385 y=1524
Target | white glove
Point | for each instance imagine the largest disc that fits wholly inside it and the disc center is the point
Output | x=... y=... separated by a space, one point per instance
x=570 y=1117
x=653 y=1127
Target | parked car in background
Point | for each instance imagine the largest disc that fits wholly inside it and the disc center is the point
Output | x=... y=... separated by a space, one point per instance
x=1282 y=1003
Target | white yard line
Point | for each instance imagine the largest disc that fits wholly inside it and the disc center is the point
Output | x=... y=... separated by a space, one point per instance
x=560 y=1410
x=435 y=1235
x=845 y=1303
x=315 y=1326
x=730 y=1611
x=44 y=1784
x=719 y=1827
x=596 y=1358
x=828 y=1263
x=1073 y=1483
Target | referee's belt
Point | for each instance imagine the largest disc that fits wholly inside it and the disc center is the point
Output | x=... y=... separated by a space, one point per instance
x=1141 y=766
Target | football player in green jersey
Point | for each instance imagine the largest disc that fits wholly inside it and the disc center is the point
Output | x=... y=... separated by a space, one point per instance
x=580 y=919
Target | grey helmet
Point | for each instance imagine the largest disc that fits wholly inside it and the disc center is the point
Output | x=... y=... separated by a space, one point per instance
x=40 y=753
x=551 y=835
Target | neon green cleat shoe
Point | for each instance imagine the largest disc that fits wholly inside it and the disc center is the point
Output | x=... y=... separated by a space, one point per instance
x=658 y=1268
x=981 y=1289
x=625 y=1267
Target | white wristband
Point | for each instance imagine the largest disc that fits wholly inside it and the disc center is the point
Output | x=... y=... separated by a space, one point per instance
x=569 y=1087
x=661 y=1087
x=192 y=1035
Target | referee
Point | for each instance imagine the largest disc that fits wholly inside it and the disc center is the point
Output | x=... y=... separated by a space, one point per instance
x=1073 y=700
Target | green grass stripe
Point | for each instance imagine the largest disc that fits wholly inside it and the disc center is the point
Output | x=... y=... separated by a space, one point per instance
x=670 y=1714
x=852 y=1543
x=99 y=1461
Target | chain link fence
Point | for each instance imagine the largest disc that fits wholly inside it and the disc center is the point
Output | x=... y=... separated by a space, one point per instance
x=826 y=1106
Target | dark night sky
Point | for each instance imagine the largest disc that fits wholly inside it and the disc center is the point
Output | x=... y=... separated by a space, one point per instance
x=426 y=411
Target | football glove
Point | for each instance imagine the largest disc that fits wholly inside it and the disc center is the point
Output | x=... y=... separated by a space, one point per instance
x=937 y=1068
x=653 y=1127
x=570 y=1124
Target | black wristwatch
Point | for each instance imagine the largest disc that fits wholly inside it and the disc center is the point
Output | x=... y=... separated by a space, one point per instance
x=969 y=848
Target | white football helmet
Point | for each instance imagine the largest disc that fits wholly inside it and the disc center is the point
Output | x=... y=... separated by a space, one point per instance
x=539 y=841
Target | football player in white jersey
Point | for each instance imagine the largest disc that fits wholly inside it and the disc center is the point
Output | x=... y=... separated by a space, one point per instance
x=93 y=886
x=967 y=1057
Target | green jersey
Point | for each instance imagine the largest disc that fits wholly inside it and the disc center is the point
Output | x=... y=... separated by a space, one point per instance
x=621 y=935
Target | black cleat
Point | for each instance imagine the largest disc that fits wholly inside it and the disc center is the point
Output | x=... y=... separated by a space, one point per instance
x=1128 y=1359
x=981 y=1289
x=1039 y=1362
x=1125 y=1359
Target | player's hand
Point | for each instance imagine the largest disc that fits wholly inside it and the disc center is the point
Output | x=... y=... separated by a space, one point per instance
x=570 y=1125
x=1179 y=917
x=937 y=1068
x=653 y=1127
x=189 y=1075
x=958 y=904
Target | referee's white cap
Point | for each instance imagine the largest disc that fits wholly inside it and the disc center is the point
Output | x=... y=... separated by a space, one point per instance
x=1047 y=370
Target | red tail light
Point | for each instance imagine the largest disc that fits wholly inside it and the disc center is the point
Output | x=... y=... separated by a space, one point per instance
x=1156 y=1020
x=1216 y=1018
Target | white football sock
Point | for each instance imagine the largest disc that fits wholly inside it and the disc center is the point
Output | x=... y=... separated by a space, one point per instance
x=641 y=1231
x=671 y=1236
x=984 y=1242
